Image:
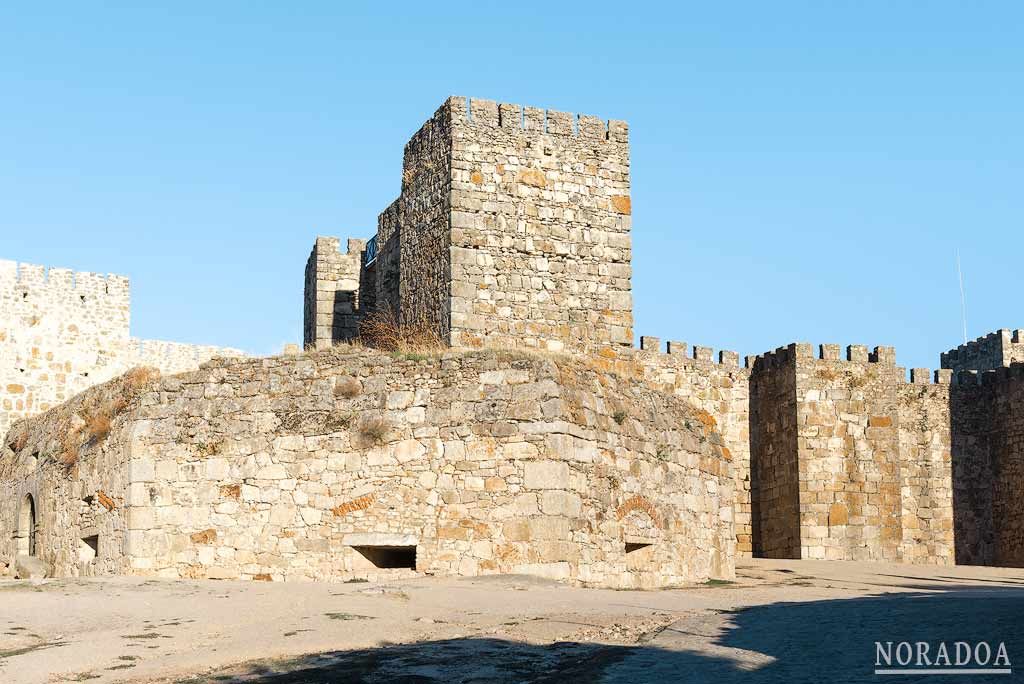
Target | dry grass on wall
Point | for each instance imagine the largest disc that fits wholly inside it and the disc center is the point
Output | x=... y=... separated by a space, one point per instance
x=347 y=387
x=92 y=423
x=373 y=429
x=382 y=330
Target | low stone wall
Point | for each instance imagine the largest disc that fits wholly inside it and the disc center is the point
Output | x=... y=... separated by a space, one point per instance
x=71 y=500
x=332 y=464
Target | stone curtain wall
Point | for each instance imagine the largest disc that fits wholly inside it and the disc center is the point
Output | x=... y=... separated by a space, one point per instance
x=848 y=458
x=774 y=456
x=718 y=389
x=540 y=228
x=973 y=481
x=988 y=466
x=999 y=349
x=926 y=469
x=61 y=332
x=331 y=301
x=848 y=432
x=484 y=461
x=56 y=329
x=1007 y=449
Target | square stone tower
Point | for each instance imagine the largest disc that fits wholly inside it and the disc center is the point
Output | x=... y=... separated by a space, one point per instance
x=512 y=229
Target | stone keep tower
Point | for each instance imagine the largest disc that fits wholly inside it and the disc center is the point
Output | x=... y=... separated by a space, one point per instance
x=512 y=229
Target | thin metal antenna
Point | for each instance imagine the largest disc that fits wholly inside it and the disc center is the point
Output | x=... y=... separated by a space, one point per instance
x=963 y=298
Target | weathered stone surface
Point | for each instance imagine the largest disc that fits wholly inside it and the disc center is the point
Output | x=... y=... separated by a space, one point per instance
x=30 y=567
x=64 y=332
x=547 y=475
x=208 y=481
x=506 y=233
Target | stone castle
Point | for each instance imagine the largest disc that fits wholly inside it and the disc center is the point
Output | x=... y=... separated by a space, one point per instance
x=541 y=441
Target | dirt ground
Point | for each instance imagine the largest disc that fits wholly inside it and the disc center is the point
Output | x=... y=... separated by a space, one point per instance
x=781 y=621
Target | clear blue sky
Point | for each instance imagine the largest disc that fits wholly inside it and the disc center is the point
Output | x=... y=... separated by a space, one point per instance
x=801 y=171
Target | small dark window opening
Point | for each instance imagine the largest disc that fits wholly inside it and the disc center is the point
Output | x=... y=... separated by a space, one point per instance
x=630 y=548
x=93 y=543
x=389 y=556
x=27 y=526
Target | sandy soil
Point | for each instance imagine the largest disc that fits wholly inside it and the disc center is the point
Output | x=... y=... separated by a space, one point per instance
x=781 y=621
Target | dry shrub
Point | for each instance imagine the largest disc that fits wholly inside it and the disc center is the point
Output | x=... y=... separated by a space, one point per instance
x=98 y=412
x=139 y=377
x=347 y=387
x=70 y=443
x=373 y=429
x=382 y=330
x=19 y=442
x=98 y=425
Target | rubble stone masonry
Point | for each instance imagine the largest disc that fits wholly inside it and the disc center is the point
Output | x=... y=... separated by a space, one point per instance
x=512 y=229
x=988 y=466
x=354 y=463
x=62 y=331
x=543 y=442
x=848 y=461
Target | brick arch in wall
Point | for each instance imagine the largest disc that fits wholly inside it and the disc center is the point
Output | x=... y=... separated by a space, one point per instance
x=640 y=520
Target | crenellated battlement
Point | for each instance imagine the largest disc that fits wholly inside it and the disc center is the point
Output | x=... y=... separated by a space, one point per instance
x=36 y=285
x=925 y=376
x=332 y=285
x=997 y=349
x=514 y=117
x=988 y=378
x=679 y=350
x=854 y=353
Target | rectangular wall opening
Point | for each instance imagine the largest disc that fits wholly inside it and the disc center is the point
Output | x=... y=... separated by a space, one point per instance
x=631 y=547
x=389 y=556
x=88 y=549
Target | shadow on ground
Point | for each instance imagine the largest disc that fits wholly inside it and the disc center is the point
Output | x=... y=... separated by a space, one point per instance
x=815 y=641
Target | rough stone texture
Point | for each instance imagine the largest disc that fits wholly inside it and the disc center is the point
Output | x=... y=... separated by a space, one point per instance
x=999 y=349
x=331 y=307
x=988 y=467
x=926 y=477
x=774 y=454
x=512 y=229
x=540 y=229
x=425 y=245
x=30 y=567
x=849 y=460
x=719 y=391
x=484 y=461
x=61 y=332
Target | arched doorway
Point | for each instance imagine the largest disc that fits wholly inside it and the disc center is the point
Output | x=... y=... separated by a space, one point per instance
x=27 y=527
